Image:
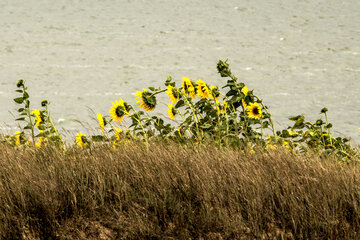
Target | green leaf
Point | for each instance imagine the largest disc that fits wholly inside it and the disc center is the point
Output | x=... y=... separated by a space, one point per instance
x=43 y=134
x=295 y=118
x=328 y=126
x=19 y=91
x=20 y=119
x=41 y=127
x=21 y=109
x=29 y=126
x=25 y=95
x=20 y=83
x=205 y=126
x=19 y=100
x=152 y=89
x=179 y=104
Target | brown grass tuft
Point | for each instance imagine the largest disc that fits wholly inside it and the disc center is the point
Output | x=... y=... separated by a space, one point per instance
x=169 y=191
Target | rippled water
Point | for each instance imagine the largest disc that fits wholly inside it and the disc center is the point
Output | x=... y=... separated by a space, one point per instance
x=299 y=55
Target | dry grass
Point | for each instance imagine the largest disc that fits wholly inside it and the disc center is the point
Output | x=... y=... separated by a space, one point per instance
x=175 y=192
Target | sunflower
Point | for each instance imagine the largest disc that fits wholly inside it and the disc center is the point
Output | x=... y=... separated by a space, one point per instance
x=17 y=138
x=254 y=110
x=172 y=111
x=215 y=93
x=102 y=121
x=178 y=131
x=118 y=110
x=188 y=87
x=38 y=118
x=245 y=90
x=202 y=89
x=41 y=140
x=173 y=93
x=243 y=103
x=81 y=139
x=117 y=133
x=222 y=107
x=146 y=99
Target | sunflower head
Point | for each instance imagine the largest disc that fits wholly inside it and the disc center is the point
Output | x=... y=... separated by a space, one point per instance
x=243 y=103
x=188 y=87
x=173 y=93
x=146 y=99
x=202 y=89
x=215 y=93
x=38 y=117
x=41 y=141
x=118 y=110
x=18 y=138
x=254 y=110
x=117 y=133
x=171 y=111
x=245 y=90
x=81 y=140
x=102 y=121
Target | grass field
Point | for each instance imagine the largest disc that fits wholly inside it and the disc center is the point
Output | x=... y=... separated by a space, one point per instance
x=171 y=191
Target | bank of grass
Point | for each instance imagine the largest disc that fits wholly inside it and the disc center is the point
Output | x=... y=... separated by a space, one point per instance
x=172 y=191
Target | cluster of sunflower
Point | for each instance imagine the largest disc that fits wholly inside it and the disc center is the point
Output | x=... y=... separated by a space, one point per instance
x=38 y=122
x=198 y=113
x=305 y=135
x=239 y=119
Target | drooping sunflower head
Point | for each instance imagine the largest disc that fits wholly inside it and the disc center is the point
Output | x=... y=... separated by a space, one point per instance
x=102 y=121
x=38 y=118
x=215 y=93
x=221 y=107
x=173 y=93
x=188 y=87
x=118 y=110
x=81 y=140
x=146 y=99
x=171 y=111
x=245 y=90
x=254 y=110
x=202 y=89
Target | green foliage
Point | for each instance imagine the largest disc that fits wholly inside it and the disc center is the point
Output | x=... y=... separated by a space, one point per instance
x=35 y=121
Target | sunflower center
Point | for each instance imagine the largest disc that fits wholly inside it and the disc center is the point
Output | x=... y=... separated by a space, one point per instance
x=119 y=111
x=83 y=139
x=256 y=111
x=203 y=88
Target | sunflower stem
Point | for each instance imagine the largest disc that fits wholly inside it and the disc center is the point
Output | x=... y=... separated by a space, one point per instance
x=27 y=107
x=327 y=123
x=138 y=119
x=157 y=92
x=194 y=114
x=268 y=113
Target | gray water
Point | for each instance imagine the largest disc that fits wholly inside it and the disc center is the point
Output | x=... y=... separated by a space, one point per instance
x=298 y=55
